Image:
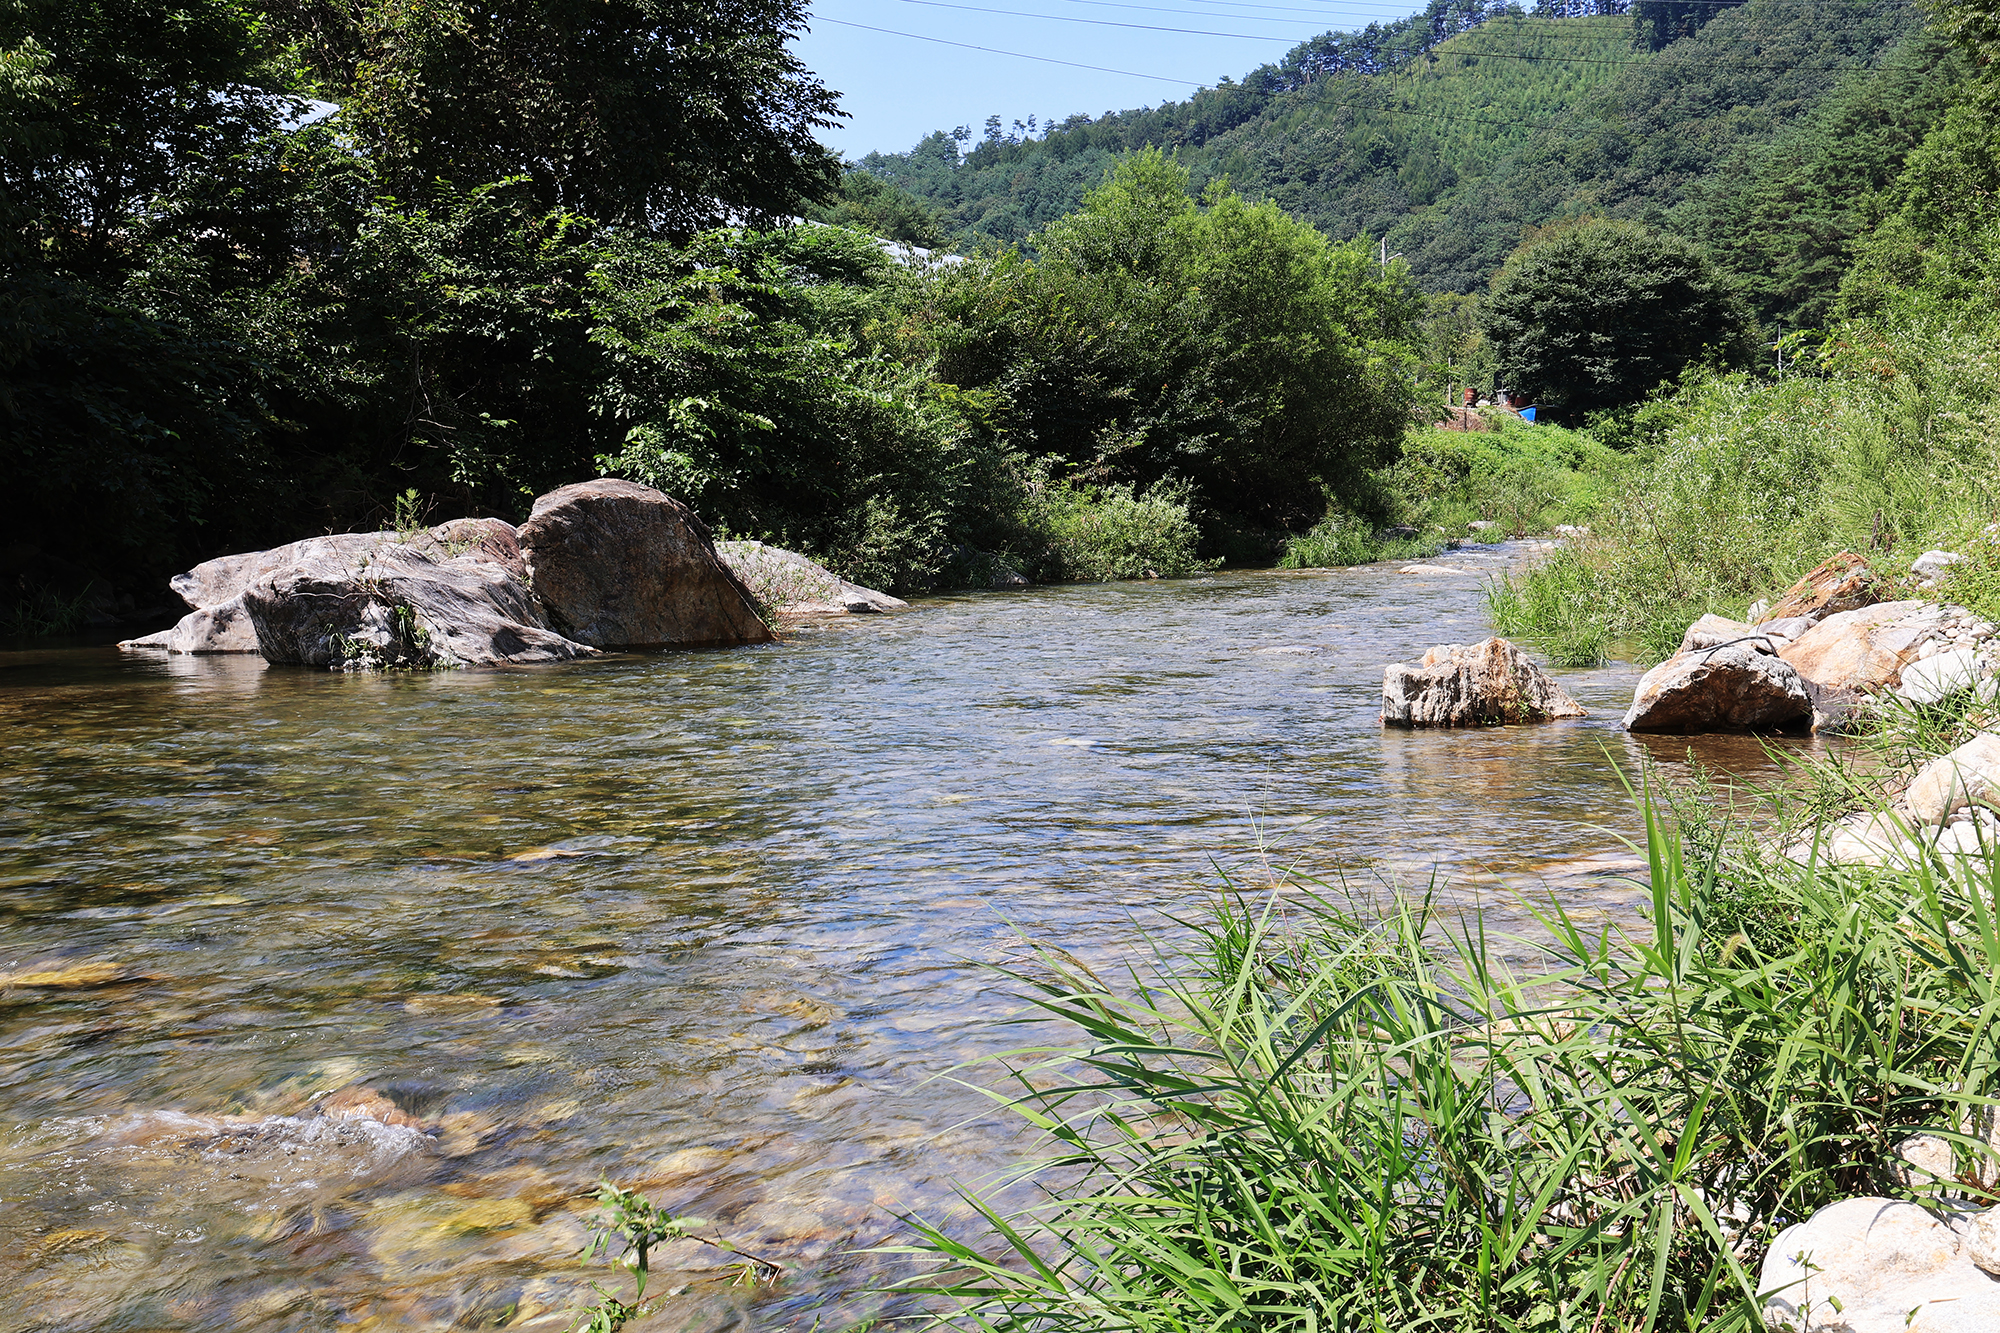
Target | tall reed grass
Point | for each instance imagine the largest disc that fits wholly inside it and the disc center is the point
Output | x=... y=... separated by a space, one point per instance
x=1304 y=1116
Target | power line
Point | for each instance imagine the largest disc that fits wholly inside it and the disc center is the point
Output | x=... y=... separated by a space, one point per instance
x=1162 y=78
x=1018 y=55
x=1267 y=37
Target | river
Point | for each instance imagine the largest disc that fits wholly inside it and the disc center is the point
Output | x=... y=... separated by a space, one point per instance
x=709 y=923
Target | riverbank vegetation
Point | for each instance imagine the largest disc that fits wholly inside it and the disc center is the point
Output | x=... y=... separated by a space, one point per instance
x=1318 y=1113
x=259 y=285
x=1880 y=434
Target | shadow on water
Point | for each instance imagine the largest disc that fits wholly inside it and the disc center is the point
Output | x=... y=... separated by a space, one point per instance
x=707 y=923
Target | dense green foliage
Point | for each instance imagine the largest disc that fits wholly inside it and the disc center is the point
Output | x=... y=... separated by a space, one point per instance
x=1155 y=338
x=234 y=321
x=1598 y=312
x=666 y=114
x=485 y=264
x=1518 y=120
x=1882 y=433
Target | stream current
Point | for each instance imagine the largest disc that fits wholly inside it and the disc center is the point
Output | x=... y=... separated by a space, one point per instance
x=708 y=924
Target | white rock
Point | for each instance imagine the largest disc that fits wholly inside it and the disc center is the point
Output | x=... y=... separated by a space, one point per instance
x=1714 y=631
x=1932 y=566
x=793 y=585
x=1969 y=775
x=1924 y=1159
x=1760 y=607
x=1937 y=675
x=1875 y=1266
x=1481 y=684
x=1982 y=1240
x=1733 y=687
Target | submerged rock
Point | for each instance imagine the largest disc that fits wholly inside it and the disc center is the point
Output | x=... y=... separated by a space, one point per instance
x=1878 y=1266
x=790 y=584
x=1482 y=684
x=1733 y=687
x=619 y=565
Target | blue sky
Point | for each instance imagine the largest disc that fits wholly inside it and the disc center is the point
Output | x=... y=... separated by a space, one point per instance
x=898 y=89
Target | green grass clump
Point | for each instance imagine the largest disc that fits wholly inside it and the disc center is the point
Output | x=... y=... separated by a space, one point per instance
x=1085 y=534
x=1527 y=478
x=1342 y=539
x=1311 y=1118
x=1888 y=444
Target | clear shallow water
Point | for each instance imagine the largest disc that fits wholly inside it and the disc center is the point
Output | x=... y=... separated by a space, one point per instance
x=704 y=922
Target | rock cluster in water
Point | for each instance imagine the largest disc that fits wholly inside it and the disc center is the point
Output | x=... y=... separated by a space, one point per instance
x=602 y=564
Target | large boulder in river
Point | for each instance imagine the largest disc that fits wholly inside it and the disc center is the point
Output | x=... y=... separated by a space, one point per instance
x=1880 y=1266
x=790 y=584
x=1731 y=687
x=1483 y=684
x=481 y=621
x=222 y=628
x=415 y=604
x=619 y=565
x=1842 y=583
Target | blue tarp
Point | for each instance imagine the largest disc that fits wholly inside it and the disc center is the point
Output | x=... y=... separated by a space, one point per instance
x=1527 y=414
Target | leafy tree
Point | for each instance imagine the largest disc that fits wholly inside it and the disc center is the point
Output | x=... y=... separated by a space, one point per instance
x=107 y=107
x=1785 y=217
x=1597 y=312
x=679 y=114
x=872 y=204
x=1221 y=343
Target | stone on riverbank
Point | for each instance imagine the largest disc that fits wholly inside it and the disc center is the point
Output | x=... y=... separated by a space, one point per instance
x=1715 y=631
x=1930 y=568
x=1878 y=1266
x=1732 y=687
x=1483 y=684
x=791 y=585
x=1843 y=583
x=619 y=565
x=1968 y=776
x=1866 y=649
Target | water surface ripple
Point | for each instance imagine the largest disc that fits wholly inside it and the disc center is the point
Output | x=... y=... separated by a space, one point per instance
x=709 y=922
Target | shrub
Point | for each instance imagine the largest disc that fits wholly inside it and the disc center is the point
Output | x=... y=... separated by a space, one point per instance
x=1076 y=534
x=1595 y=312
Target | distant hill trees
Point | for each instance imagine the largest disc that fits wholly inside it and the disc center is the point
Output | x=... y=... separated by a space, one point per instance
x=1760 y=130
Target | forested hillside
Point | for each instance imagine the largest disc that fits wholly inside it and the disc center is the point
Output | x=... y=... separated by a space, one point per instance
x=1768 y=120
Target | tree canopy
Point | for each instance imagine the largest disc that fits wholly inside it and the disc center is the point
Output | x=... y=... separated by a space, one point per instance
x=1597 y=312
x=676 y=114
